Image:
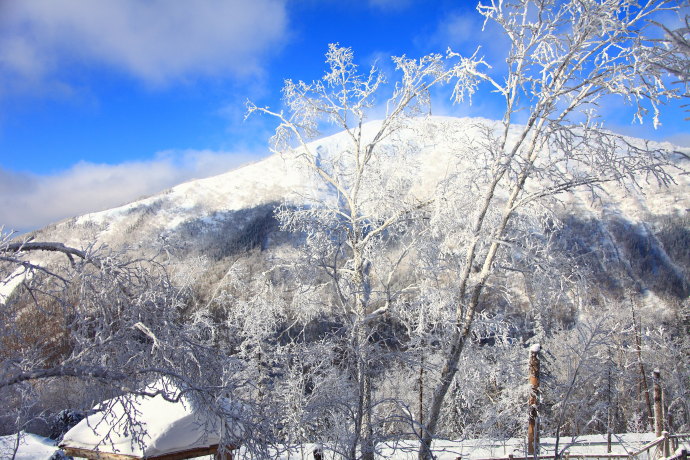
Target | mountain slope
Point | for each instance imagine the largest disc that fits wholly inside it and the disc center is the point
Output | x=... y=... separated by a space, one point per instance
x=232 y=212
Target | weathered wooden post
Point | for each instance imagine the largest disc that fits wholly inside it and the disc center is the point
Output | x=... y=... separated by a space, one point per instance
x=608 y=441
x=658 y=407
x=667 y=444
x=533 y=427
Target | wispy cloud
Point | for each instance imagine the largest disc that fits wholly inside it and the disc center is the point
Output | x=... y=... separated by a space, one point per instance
x=458 y=29
x=388 y=5
x=156 y=41
x=464 y=31
x=29 y=201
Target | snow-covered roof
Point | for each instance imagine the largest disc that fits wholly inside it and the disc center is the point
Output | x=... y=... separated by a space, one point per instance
x=162 y=427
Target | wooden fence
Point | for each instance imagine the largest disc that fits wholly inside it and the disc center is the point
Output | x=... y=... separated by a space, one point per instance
x=667 y=446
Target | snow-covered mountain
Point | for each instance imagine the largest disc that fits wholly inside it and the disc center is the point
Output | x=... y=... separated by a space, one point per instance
x=232 y=212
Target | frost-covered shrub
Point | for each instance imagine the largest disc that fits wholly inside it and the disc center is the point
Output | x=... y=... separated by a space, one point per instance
x=63 y=421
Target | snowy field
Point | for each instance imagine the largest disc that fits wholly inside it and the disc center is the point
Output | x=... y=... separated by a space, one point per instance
x=33 y=447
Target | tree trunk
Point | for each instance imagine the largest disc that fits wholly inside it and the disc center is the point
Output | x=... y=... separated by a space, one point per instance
x=643 y=375
x=367 y=426
x=359 y=372
x=365 y=429
x=533 y=425
x=447 y=375
x=658 y=407
x=420 y=410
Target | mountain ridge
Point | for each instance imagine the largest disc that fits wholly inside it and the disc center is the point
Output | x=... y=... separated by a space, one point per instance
x=233 y=212
x=273 y=180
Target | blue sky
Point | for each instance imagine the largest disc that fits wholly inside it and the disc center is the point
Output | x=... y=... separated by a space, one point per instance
x=102 y=102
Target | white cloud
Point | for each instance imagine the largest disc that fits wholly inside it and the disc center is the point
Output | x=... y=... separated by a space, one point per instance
x=29 y=201
x=680 y=139
x=153 y=40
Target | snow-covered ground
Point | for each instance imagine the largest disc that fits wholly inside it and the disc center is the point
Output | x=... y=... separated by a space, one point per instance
x=33 y=447
x=590 y=445
x=488 y=448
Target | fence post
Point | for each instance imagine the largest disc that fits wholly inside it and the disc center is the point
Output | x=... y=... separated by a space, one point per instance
x=667 y=442
x=533 y=426
x=658 y=409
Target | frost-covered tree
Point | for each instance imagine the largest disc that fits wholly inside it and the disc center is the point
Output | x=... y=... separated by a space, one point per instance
x=358 y=214
x=102 y=323
x=496 y=209
x=564 y=61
